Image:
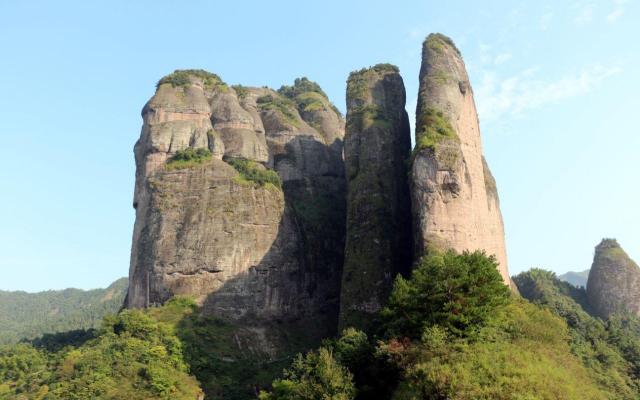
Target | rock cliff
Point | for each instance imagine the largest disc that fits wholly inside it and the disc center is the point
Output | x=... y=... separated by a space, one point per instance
x=454 y=197
x=219 y=226
x=377 y=147
x=614 y=281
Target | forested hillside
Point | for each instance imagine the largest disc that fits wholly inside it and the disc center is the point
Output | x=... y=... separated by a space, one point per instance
x=30 y=315
x=450 y=331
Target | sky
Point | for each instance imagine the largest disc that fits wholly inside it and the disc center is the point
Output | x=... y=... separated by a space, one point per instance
x=556 y=86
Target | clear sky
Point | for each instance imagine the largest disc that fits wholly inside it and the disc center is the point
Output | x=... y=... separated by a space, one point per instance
x=556 y=86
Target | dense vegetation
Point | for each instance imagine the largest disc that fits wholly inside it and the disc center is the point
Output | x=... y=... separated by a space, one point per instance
x=280 y=104
x=434 y=128
x=31 y=315
x=452 y=331
x=182 y=77
x=251 y=171
x=611 y=349
x=132 y=356
x=188 y=158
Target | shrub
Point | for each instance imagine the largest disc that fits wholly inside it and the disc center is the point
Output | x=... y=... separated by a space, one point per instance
x=280 y=104
x=301 y=85
x=182 y=77
x=434 y=127
x=188 y=158
x=241 y=91
x=251 y=171
x=318 y=375
x=459 y=292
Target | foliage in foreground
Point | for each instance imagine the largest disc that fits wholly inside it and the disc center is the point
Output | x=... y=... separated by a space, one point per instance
x=133 y=356
x=452 y=331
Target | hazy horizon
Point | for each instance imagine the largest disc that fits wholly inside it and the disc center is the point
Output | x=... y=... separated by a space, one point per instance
x=555 y=88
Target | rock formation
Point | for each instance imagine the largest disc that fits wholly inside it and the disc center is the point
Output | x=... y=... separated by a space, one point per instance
x=454 y=198
x=614 y=281
x=243 y=248
x=377 y=147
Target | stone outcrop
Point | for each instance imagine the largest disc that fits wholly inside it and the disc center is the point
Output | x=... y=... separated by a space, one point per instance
x=614 y=281
x=244 y=250
x=377 y=147
x=454 y=198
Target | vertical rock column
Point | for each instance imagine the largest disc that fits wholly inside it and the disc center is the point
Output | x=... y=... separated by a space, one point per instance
x=377 y=147
x=454 y=197
x=614 y=281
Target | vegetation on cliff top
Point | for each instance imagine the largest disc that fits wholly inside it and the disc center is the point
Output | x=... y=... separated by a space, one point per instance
x=251 y=171
x=182 y=77
x=362 y=115
x=308 y=96
x=188 y=158
x=280 y=104
x=438 y=41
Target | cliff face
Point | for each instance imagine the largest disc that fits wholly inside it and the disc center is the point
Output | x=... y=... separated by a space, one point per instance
x=377 y=147
x=454 y=198
x=614 y=281
x=243 y=248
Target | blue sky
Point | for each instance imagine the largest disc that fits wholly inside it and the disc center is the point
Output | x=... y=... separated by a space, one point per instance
x=556 y=87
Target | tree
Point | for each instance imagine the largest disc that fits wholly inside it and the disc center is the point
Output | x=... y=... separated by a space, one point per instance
x=456 y=291
x=318 y=375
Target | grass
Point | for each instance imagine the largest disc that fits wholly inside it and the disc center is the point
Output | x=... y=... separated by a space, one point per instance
x=282 y=105
x=437 y=42
x=251 y=171
x=188 y=158
x=182 y=77
x=357 y=82
x=308 y=96
x=241 y=91
x=434 y=128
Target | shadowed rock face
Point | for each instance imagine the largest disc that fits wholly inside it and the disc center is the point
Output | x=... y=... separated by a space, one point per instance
x=454 y=198
x=243 y=250
x=377 y=147
x=614 y=281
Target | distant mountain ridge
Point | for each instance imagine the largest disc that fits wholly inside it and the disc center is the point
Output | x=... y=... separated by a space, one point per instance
x=30 y=315
x=576 y=278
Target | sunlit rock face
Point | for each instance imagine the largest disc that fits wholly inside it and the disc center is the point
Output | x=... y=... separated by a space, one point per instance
x=614 y=281
x=454 y=197
x=244 y=250
x=377 y=148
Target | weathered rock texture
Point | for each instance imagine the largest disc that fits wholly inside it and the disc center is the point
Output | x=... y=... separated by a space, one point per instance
x=246 y=251
x=377 y=147
x=614 y=281
x=454 y=198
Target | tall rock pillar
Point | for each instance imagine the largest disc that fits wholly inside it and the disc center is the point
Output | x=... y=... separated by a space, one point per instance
x=614 y=281
x=454 y=198
x=377 y=147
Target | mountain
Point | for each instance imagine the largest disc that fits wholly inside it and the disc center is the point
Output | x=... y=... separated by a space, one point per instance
x=280 y=252
x=575 y=278
x=614 y=281
x=454 y=195
x=30 y=315
x=377 y=147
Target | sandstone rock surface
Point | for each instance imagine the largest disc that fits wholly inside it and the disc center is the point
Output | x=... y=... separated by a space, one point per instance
x=377 y=147
x=614 y=281
x=454 y=198
x=246 y=251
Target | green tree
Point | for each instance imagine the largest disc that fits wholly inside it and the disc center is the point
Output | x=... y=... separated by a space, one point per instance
x=456 y=291
x=318 y=375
